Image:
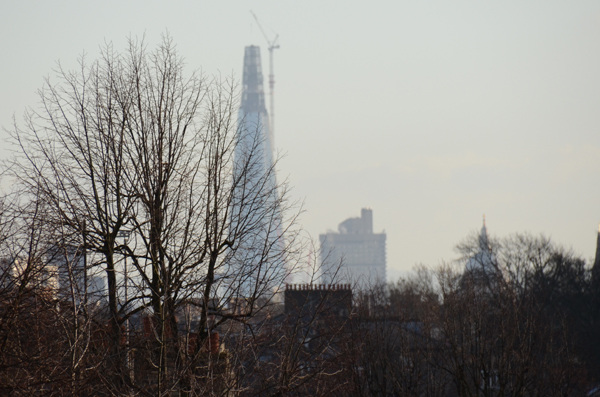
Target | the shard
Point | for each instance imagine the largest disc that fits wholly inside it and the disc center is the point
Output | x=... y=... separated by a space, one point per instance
x=254 y=127
x=257 y=215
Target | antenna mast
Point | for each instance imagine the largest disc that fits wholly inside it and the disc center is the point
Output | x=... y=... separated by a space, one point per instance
x=273 y=45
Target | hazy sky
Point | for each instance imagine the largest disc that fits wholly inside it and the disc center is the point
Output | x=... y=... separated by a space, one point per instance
x=431 y=113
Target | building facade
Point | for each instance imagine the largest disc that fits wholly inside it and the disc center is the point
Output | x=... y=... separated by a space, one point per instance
x=318 y=300
x=354 y=254
x=75 y=278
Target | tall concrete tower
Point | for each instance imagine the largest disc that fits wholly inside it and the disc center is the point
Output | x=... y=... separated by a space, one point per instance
x=257 y=217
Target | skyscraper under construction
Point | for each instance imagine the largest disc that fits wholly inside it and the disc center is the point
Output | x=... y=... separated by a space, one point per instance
x=256 y=212
x=254 y=125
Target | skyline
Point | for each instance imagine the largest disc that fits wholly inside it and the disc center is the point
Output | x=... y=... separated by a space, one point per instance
x=430 y=114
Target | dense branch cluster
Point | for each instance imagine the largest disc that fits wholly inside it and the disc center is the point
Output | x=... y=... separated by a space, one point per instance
x=128 y=172
x=528 y=329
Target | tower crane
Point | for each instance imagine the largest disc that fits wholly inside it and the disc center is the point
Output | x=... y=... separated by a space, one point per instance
x=273 y=45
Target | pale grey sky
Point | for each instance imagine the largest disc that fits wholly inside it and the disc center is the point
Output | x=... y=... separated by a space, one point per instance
x=431 y=113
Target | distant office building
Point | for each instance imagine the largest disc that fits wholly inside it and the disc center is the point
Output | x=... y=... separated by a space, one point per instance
x=354 y=254
x=73 y=277
x=33 y=274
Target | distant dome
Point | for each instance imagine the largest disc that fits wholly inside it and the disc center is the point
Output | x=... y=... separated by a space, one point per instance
x=484 y=260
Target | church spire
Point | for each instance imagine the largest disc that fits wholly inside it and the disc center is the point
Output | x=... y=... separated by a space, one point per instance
x=484 y=261
x=483 y=238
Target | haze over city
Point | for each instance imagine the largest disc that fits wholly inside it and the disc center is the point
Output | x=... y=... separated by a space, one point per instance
x=431 y=114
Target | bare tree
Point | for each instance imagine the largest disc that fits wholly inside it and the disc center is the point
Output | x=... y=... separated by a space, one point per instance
x=504 y=333
x=131 y=145
x=514 y=324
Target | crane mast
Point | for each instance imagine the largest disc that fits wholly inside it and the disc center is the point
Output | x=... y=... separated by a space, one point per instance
x=273 y=45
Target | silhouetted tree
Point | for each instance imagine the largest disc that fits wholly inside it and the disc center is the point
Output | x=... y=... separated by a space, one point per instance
x=130 y=145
